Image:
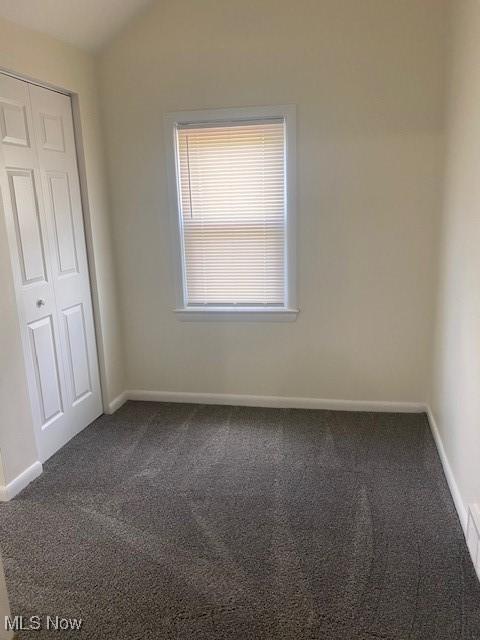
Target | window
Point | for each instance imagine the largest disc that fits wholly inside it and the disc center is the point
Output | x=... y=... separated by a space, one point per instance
x=233 y=203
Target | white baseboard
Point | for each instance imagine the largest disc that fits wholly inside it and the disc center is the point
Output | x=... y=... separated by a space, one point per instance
x=452 y=483
x=473 y=535
x=117 y=402
x=275 y=401
x=10 y=490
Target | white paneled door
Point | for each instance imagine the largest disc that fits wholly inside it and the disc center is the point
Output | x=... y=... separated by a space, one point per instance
x=41 y=202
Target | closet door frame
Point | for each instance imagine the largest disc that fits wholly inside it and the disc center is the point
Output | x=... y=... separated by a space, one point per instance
x=87 y=226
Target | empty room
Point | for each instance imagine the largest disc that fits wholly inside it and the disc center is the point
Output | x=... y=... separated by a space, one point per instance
x=240 y=319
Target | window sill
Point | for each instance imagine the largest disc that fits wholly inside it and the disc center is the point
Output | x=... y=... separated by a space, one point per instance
x=240 y=314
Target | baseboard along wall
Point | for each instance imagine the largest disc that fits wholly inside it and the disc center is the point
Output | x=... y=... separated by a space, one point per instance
x=10 y=490
x=280 y=402
x=452 y=483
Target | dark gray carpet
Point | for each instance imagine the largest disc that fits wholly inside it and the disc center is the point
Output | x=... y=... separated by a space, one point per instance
x=198 y=522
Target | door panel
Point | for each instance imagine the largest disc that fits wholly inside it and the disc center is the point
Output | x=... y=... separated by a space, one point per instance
x=78 y=352
x=13 y=124
x=53 y=125
x=41 y=196
x=61 y=208
x=53 y=138
x=27 y=224
x=45 y=357
x=28 y=236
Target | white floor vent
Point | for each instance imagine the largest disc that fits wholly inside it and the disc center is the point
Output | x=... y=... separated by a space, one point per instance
x=473 y=535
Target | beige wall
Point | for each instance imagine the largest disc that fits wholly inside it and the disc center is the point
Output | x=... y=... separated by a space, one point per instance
x=455 y=395
x=48 y=60
x=368 y=80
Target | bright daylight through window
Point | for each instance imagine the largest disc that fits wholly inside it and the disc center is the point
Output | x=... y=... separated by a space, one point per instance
x=232 y=186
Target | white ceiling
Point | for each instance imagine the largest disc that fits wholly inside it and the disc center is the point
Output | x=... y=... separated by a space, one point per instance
x=85 y=23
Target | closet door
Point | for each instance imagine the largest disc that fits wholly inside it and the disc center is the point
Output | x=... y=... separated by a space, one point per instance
x=41 y=202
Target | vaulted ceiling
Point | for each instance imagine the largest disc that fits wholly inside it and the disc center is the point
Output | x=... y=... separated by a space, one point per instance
x=88 y=24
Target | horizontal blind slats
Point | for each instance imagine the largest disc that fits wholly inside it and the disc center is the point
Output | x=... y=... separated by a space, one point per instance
x=232 y=200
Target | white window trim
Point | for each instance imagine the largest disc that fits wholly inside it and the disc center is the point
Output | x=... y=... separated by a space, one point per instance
x=240 y=313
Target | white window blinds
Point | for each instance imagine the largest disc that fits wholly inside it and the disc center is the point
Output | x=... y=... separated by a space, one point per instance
x=231 y=180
